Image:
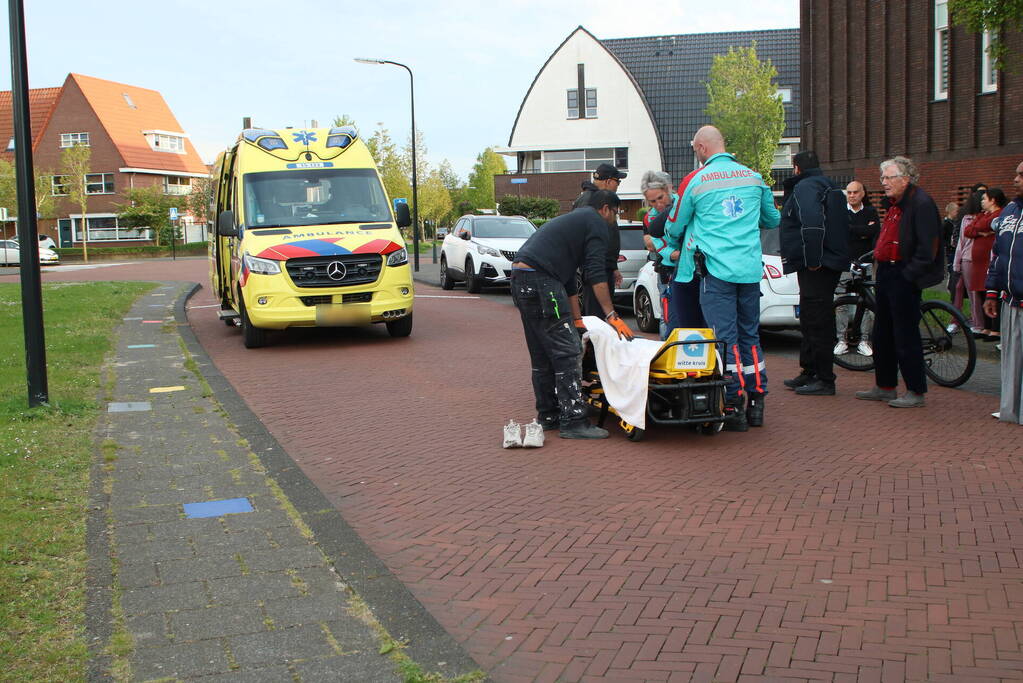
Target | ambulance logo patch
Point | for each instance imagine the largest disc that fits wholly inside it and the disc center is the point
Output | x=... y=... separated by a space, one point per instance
x=732 y=206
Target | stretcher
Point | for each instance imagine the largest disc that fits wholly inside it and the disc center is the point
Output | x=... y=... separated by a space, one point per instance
x=684 y=386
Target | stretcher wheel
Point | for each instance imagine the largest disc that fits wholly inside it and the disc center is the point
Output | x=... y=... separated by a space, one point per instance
x=633 y=432
x=710 y=428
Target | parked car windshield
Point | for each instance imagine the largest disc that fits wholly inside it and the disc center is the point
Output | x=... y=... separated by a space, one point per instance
x=503 y=227
x=314 y=197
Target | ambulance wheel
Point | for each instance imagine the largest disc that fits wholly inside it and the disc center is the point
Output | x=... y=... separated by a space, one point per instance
x=402 y=327
x=710 y=428
x=253 y=337
x=473 y=283
x=445 y=277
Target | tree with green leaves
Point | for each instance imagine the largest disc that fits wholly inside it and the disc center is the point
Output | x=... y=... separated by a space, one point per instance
x=9 y=191
x=343 y=120
x=149 y=207
x=746 y=107
x=75 y=164
x=197 y=202
x=996 y=16
x=434 y=199
x=390 y=164
x=481 y=180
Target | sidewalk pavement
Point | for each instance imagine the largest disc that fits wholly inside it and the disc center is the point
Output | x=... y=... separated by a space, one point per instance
x=212 y=550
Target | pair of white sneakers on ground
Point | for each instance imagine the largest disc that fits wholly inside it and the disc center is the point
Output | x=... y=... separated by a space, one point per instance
x=513 y=437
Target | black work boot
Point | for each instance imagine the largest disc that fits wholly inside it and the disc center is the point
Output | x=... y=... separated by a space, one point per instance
x=755 y=410
x=802 y=379
x=582 y=430
x=735 y=417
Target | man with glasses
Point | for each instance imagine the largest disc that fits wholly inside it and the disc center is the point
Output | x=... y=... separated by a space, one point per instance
x=908 y=258
x=609 y=178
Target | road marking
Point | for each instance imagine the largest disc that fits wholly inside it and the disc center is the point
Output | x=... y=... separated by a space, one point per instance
x=203 y=306
x=84 y=266
x=129 y=406
x=216 y=508
x=164 y=390
x=141 y=346
x=442 y=296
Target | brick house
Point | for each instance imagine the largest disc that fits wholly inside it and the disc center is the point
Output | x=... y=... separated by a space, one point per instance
x=887 y=78
x=634 y=103
x=134 y=139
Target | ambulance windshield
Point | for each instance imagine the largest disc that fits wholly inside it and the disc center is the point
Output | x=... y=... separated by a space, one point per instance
x=314 y=196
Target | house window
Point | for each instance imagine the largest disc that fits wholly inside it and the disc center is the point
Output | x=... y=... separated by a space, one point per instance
x=10 y=145
x=58 y=185
x=175 y=184
x=591 y=103
x=99 y=183
x=166 y=142
x=941 y=49
x=72 y=139
x=782 y=157
x=585 y=159
x=785 y=94
x=106 y=229
x=128 y=101
x=988 y=72
x=573 y=103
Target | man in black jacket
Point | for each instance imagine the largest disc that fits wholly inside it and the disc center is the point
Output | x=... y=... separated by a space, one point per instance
x=864 y=226
x=543 y=288
x=605 y=177
x=909 y=258
x=814 y=245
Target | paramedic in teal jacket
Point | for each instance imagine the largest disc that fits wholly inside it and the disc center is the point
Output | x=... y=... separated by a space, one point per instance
x=722 y=206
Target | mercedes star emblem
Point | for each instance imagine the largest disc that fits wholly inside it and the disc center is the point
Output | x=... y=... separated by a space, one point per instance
x=336 y=270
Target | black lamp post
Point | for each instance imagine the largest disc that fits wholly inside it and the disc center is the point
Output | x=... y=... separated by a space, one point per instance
x=415 y=185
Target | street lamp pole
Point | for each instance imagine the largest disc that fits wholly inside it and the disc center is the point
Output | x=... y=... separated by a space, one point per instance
x=415 y=183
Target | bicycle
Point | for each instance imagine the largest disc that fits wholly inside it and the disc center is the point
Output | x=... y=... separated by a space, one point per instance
x=950 y=352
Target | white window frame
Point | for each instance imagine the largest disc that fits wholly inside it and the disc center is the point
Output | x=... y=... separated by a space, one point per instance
x=56 y=186
x=572 y=113
x=942 y=51
x=72 y=139
x=590 y=112
x=133 y=234
x=102 y=183
x=785 y=94
x=165 y=141
x=172 y=184
x=988 y=72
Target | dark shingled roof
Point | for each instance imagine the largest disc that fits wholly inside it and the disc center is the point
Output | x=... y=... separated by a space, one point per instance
x=672 y=73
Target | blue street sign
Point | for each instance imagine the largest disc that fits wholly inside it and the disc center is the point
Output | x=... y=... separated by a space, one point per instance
x=519 y=181
x=173 y=213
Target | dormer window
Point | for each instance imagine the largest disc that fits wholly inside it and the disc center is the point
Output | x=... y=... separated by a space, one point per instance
x=165 y=141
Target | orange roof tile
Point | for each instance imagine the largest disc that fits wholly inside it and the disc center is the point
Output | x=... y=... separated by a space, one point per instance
x=40 y=104
x=125 y=112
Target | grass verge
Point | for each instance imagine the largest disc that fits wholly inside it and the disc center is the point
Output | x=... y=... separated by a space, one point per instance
x=45 y=455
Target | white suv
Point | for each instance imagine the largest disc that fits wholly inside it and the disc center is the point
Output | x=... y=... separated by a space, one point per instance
x=479 y=250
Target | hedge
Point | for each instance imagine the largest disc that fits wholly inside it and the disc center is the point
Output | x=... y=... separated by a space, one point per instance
x=190 y=249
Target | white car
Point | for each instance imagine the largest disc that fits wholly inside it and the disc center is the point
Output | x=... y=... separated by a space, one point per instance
x=779 y=293
x=479 y=250
x=10 y=254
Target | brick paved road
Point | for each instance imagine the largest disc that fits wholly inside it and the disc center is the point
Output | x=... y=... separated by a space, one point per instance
x=844 y=541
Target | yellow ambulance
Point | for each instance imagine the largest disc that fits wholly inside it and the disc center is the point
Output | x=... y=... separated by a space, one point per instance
x=305 y=235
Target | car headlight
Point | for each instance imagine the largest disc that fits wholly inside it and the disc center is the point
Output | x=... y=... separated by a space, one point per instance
x=487 y=251
x=262 y=266
x=398 y=258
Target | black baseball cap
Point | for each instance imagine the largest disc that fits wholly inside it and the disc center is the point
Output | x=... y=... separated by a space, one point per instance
x=607 y=171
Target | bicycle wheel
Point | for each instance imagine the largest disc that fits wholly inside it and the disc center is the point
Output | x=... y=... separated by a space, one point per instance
x=854 y=323
x=950 y=352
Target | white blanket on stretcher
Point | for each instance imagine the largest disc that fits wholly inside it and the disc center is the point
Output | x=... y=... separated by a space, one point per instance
x=624 y=368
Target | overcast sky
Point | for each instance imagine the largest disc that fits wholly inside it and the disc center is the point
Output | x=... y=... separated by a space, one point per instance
x=288 y=63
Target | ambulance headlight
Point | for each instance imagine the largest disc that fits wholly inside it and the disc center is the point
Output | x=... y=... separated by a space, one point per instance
x=397 y=258
x=262 y=266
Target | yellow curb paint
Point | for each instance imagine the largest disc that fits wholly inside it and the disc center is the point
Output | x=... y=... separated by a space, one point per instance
x=164 y=390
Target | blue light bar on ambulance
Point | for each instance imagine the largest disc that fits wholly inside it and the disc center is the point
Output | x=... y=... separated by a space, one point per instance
x=267 y=139
x=341 y=137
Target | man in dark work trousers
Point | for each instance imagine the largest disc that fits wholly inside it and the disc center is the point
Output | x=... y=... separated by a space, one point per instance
x=543 y=287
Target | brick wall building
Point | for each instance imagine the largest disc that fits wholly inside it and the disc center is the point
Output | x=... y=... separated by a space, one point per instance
x=881 y=79
x=134 y=141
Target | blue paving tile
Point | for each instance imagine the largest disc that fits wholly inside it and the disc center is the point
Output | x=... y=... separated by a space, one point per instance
x=216 y=508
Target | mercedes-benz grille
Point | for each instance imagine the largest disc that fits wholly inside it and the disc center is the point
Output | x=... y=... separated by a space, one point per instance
x=335 y=271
